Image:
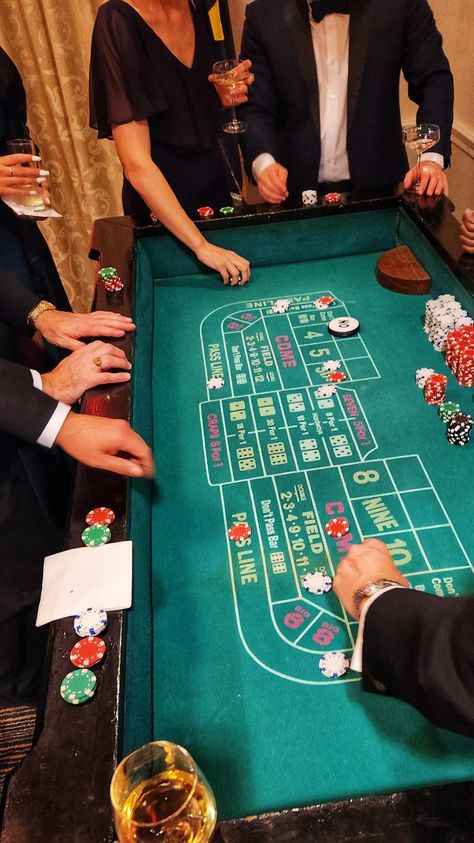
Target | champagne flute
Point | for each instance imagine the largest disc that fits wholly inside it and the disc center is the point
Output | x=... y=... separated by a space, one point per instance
x=230 y=76
x=420 y=138
x=159 y=793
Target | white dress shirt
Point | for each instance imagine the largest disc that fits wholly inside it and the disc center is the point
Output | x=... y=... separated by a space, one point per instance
x=50 y=432
x=331 y=52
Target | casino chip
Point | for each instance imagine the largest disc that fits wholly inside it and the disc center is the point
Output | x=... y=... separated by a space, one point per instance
x=90 y=622
x=281 y=306
x=215 y=383
x=100 y=515
x=337 y=377
x=88 y=651
x=422 y=375
x=344 y=326
x=323 y=302
x=206 y=212
x=448 y=409
x=333 y=665
x=332 y=198
x=78 y=686
x=107 y=272
x=227 y=210
x=331 y=365
x=96 y=535
x=239 y=531
x=337 y=527
x=317 y=583
x=325 y=391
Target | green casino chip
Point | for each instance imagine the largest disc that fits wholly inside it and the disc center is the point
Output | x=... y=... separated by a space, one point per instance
x=227 y=210
x=78 y=686
x=96 y=534
x=107 y=272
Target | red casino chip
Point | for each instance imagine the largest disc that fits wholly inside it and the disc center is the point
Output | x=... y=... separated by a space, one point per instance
x=239 y=531
x=332 y=198
x=337 y=527
x=206 y=211
x=88 y=651
x=100 y=515
x=327 y=301
x=337 y=377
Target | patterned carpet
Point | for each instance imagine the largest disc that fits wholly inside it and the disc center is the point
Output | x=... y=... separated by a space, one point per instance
x=16 y=734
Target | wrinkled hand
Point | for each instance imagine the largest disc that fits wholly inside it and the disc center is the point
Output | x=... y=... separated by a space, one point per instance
x=109 y=444
x=238 y=95
x=467 y=231
x=65 y=329
x=364 y=563
x=433 y=180
x=78 y=372
x=16 y=180
x=232 y=268
x=272 y=183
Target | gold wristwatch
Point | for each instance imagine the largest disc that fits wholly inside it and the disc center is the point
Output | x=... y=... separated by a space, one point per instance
x=38 y=309
x=372 y=588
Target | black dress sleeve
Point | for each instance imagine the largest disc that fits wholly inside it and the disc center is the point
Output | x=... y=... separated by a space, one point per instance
x=120 y=90
x=12 y=103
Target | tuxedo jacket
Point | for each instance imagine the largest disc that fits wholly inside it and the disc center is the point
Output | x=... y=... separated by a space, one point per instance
x=420 y=648
x=16 y=301
x=24 y=410
x=386 y=37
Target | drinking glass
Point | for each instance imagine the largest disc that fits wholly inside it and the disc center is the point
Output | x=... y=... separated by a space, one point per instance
x=26 y=146
x=158 y=793
x=420 y=138
x=230 y=76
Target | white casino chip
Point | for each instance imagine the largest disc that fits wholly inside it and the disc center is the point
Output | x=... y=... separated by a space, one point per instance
x=325 y=391
x=281 y=306
x=344 y=326
x=331 y=365
x=215 y=383
x=334 y=665
x=317 y=583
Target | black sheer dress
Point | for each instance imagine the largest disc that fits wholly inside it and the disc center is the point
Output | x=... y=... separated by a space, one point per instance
x=134 y=76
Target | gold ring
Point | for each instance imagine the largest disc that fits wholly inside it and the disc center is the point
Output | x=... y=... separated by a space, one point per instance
x=97 y=361
x=11 y=170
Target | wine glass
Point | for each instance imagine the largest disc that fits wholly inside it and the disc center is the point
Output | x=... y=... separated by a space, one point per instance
x=420 y=138
x=231 y=76
x=159 y=793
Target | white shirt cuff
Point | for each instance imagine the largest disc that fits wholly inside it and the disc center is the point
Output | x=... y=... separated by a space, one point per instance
x=37 y=382
x=433 y=156
x=356 y=661
x=261 y=163
x=48 y=436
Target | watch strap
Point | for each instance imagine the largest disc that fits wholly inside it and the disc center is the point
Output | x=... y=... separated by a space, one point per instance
x=38 y=309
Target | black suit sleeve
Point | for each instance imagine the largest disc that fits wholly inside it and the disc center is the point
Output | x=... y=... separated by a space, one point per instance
x=426 y=69
x=420 y=648
x=16 y=301
x=24 y=410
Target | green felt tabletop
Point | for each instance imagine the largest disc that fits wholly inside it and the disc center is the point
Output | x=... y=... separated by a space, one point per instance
x=223 y=642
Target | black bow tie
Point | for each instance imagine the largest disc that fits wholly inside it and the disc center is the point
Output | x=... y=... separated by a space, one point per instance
x=321 y=8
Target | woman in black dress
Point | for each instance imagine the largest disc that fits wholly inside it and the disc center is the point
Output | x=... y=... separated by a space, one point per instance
x=150 y=92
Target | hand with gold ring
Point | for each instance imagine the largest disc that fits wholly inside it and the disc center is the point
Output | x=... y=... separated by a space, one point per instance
x=81 y=371
x=18 y=180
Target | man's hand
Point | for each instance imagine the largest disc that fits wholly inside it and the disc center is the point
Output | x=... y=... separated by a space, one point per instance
x=364 y=563
x=432 y=179
x=109 y=444
x=467 y=231
x=87 y=367
x=271 y=183
x=65 y=329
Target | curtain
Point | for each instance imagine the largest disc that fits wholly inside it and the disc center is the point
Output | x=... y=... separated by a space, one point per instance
x=49 y=41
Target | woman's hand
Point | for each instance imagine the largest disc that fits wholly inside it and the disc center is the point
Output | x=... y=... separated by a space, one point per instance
x=17 y=180
x=232 y=268
x=467 y=231
x=238 y=95
x=85 y=368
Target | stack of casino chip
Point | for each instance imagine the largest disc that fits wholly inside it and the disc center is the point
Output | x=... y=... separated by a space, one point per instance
x=460 y=354
x=111 y=279
x=458 y=430
x=422 y=375
x=443 y=315
x=435 y=389
x=448 y=409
